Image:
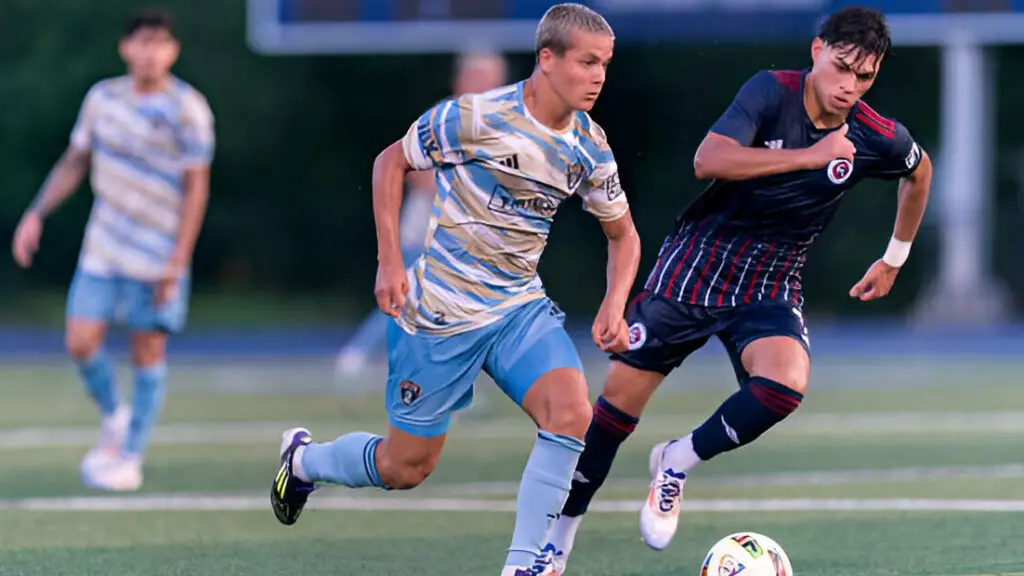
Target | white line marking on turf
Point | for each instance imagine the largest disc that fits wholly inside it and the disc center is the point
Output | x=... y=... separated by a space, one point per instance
x=184 y=502
x=840 y=425
x=800 y=478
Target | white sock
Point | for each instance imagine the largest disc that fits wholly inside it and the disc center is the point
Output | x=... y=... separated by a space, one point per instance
x=679 y=455
x=563 y=532
x=297 y=469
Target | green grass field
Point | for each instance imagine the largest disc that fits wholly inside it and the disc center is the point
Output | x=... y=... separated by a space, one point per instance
x=890 y=467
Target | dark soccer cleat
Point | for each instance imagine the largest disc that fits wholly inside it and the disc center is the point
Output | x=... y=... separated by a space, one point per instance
x=288 y=494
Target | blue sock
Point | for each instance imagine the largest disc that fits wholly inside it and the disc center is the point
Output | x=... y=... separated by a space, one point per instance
x=98 y=375
x=542 y=493
x=759 y=404
x=351 y=461
x=147 y=402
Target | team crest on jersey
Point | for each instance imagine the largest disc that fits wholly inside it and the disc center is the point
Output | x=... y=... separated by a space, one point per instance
x=637 y=335
x=574 y=175
x=409 y=392
x=839 y=170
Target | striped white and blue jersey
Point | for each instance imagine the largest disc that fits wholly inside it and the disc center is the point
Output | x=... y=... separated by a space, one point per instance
x=141 y=145
x=501 y=176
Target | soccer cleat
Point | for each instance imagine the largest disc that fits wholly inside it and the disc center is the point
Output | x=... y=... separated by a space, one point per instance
x=121 y=474
x=288 y=495
x=112 y=432
x=561 y=538
x=659 y=516
x=551 y=561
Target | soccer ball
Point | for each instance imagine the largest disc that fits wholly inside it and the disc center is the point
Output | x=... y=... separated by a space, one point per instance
x=746 y=554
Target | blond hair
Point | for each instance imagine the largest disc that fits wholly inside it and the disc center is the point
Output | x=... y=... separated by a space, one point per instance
x=557 y=25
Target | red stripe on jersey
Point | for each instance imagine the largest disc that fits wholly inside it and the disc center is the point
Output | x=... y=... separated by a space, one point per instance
x=707 y=267
x=679 y=267
x=790 y=79
x=757 y=272
x=778 y=277
x=874 y=120
x=732 y=268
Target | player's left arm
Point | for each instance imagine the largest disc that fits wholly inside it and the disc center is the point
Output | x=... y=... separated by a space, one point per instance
x=197 y=142
x=604 y=197
x=910 y=163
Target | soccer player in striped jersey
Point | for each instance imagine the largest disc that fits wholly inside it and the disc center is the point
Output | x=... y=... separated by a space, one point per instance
x=781 y=158
x=473 y=302
x=474 y=73
x=147 y=140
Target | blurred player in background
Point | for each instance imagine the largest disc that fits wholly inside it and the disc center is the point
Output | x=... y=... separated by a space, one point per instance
x=781 y=157
x=504 y=161
x=474 y=73
x=147 y=139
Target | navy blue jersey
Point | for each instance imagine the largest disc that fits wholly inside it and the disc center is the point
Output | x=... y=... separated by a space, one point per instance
x=745 y=241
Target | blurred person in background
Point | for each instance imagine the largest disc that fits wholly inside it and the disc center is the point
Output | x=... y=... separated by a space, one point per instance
x=474 y=72
x=147 y=140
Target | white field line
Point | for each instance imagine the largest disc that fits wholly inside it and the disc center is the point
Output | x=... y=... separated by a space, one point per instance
x=838 y=425
x=804 y=478
x=199 y=502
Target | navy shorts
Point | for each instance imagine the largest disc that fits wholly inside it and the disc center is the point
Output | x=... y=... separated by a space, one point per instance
x=663 y=332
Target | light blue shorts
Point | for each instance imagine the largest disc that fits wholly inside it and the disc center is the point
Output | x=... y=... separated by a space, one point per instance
x=128 y=301
x=431 y=377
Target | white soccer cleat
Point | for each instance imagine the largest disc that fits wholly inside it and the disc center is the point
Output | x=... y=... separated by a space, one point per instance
x=560 y=541
x=113 y=429
x=123 y=474
x=659 y=517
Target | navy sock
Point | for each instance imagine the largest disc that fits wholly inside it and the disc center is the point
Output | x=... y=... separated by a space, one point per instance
x=759 y=404
x=608 y=430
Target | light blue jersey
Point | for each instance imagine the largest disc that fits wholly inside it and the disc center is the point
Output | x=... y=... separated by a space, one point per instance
x=475 y=301
x=501 y=177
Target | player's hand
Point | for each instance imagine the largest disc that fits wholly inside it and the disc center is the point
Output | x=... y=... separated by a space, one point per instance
x=169 y=284
x=26 y=239
x=876 y=283
x=832 y=147
x=391 y=287
x=610 y=332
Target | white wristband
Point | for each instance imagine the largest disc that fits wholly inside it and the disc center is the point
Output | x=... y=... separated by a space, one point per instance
x=897 y=253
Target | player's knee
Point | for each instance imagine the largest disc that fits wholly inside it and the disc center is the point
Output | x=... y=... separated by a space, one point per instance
x=148 y=348
x=82 y=344
x=794 y=379
x=559 y=403
x=629 y=389
x=780 y=359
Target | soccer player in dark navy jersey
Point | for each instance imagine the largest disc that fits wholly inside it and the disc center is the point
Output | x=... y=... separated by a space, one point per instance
x=780 y=159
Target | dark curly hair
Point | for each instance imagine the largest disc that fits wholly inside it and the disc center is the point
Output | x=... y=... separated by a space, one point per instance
x=859 y=30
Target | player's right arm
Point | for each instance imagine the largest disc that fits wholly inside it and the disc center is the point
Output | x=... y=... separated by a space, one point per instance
x=436 y=138
x=63 y=180
x=727 y=151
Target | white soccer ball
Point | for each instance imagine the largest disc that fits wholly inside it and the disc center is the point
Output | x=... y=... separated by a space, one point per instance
x=746 y=554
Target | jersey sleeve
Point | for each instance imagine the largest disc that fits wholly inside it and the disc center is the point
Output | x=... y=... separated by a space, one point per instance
x=601 y=190
x=443 y=135
x=196 y=134
x=81 y=133
x=903 y=157
x=754 y=101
